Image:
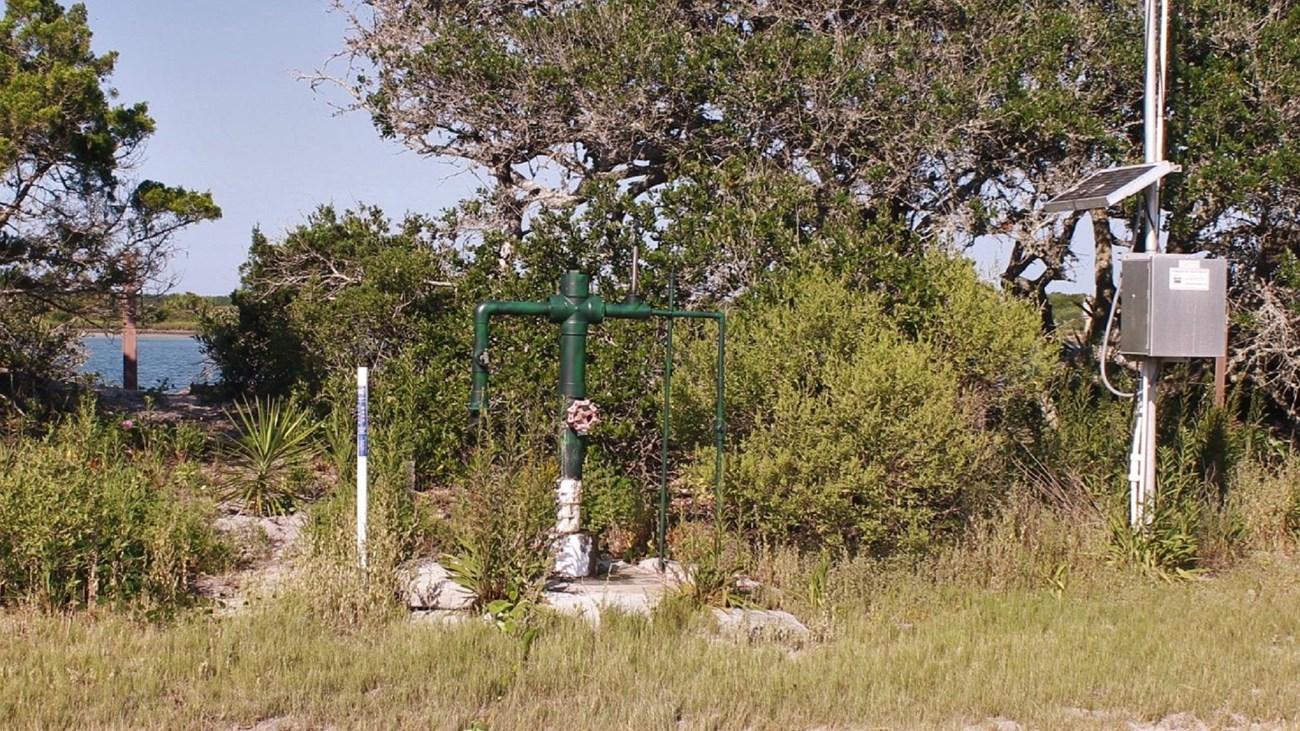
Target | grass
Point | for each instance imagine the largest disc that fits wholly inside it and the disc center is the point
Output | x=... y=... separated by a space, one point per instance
x=915 y=655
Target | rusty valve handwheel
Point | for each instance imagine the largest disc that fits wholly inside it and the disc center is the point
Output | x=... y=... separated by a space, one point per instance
x=582 y=416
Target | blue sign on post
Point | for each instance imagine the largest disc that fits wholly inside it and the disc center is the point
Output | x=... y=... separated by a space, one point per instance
x=363 y=417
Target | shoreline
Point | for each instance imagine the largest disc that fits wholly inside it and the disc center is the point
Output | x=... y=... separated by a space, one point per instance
x=83 y=332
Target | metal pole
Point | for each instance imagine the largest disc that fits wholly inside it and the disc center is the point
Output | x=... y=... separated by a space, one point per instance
x=1142 y=476
x=662 y=537
x=575 y=556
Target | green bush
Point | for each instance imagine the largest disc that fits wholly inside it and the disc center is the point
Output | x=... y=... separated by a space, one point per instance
x=34 y=354
x=92 y=513
x=273 y=446
x=615 y=508
x=853 y=431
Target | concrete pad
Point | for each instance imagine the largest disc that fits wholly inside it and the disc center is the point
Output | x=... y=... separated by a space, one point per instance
x=625 y=587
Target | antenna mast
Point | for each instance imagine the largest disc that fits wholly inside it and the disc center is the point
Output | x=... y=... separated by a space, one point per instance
x=1142 y=461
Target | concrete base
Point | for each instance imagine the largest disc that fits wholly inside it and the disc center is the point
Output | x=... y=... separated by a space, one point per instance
x=575 y=555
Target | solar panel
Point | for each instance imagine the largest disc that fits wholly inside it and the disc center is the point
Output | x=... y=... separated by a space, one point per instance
x=1108 y=187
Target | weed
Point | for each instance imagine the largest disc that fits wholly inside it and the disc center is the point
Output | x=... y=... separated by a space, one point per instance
x=1166 y=547
x=502 y=522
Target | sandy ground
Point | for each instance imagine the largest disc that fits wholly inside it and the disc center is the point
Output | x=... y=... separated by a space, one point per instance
x=168 y=408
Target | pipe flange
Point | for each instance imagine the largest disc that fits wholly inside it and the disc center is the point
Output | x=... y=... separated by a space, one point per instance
x=581 y=416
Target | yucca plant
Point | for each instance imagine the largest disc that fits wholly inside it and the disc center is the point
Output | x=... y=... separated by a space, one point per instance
x=274 y=444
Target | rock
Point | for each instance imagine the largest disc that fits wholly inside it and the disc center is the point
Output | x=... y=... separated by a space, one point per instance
x=283 y=529
x=760 y=624
x=672 y=569
x=280 y=530
x=429 y=586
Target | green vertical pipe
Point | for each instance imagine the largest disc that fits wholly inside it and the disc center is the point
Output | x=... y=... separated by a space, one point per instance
x=719 y=430
x=720 y=417
x=663 y=452
x=575 y=288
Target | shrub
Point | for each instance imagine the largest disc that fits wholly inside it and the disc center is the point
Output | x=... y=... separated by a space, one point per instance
x=90 y=516
x=615 y=508
x=34 y=354
x=270 y=453
x=851 y=431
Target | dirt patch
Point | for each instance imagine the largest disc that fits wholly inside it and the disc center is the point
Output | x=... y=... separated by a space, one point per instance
x=269 y=544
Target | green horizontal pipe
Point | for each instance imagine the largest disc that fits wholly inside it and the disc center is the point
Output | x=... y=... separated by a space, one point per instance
x=629 y=311
x=572 y=313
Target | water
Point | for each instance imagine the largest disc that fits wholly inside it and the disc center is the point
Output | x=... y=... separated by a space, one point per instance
x=171 y=362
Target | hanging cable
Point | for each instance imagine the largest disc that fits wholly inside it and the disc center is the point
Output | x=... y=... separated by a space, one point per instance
x=1105 y=349
x=1104 y=355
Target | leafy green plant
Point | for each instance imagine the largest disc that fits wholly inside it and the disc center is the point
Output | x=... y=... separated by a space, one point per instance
x=814 y=591
x=712 y=582
x=1167 y=547
x=614 y=508
x=513 y=615
x=88 y=519
x=274 y=445
x=503 y=519
x=861 y=428
x=339 y=430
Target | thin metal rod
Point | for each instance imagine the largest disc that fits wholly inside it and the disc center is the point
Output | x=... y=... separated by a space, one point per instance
x=720 y=417
x=1151 y=374
x=719 y=432
x=662 y=538
x=1142 y=461
x=636 y=272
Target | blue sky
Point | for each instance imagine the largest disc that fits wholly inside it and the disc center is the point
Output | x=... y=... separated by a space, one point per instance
x=220 y=79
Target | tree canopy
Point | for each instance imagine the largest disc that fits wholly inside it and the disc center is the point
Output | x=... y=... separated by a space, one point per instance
x=71 y=220
x=743 y=136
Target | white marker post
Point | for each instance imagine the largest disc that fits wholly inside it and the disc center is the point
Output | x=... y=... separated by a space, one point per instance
x=363 y=453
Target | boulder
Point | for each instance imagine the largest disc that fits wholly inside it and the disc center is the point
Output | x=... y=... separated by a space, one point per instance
x=427 y=585
x=770 y=624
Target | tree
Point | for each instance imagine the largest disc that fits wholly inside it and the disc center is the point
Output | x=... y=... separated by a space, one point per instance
x=73 y=228
x=669 y=125
x=937 y=121
x=345 y=289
